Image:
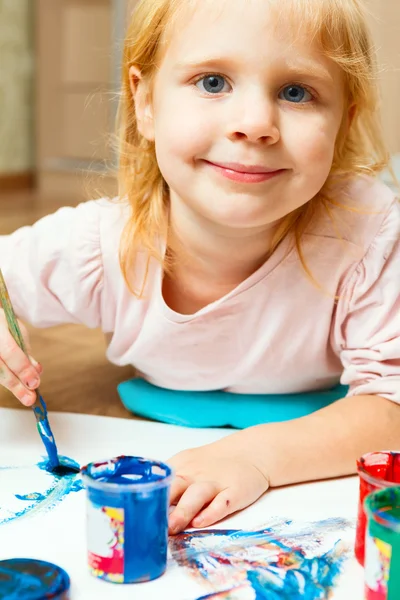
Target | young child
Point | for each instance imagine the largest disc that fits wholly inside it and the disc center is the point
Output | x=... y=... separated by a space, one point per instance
x=253 y=248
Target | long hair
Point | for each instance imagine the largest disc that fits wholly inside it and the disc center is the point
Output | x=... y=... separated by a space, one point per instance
x=339 y=27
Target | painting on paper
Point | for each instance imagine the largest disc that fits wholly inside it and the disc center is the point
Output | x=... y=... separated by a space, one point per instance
x=284 y=560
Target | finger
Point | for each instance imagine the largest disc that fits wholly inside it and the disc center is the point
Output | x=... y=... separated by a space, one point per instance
x=37 y=365
x=25 y=336
x=223 y=505
x=179 y=486
x=17 y=362
x=12 y=383
x=193 y=500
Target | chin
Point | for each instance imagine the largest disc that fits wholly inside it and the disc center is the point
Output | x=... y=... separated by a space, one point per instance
x=240 y=221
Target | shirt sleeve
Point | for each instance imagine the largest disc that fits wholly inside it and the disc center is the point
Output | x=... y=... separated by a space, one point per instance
x=368 y=317
x=53 y=269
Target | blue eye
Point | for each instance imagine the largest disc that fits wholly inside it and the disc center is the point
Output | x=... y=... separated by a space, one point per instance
x=212 y=84
x=296 y=94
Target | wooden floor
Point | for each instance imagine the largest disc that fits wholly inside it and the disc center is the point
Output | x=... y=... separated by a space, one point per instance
x=76 y=376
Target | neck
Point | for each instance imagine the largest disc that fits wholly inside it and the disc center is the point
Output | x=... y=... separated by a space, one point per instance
x=218 y=254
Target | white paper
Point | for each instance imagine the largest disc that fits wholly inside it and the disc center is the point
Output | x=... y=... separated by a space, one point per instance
x=56 y=531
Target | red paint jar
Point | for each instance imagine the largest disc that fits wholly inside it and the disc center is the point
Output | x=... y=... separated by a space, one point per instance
x=377 y=470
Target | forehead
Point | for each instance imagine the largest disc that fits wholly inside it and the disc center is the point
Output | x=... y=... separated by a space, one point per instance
x=242 y=28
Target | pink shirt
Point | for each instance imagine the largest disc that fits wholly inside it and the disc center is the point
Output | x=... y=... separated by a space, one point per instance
x=275 y=333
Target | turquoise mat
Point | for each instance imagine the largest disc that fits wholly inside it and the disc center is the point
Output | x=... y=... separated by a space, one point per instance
x=220 y=409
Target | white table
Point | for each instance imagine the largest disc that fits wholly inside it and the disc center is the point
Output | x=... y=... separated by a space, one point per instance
x=59 y=535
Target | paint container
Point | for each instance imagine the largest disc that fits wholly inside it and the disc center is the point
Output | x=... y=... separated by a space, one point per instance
x=377 y=470
x=30 y=579
x=382 y=552
x=127 y=518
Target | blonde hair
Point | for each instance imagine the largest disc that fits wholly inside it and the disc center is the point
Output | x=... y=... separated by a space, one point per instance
x=341 y=30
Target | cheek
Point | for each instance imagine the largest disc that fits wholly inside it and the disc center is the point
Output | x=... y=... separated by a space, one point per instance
x=313 y=141
x=180 y=127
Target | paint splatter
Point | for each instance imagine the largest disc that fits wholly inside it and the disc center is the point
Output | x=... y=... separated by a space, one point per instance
x=284 y=561
x=54 y=489
x=32 y=496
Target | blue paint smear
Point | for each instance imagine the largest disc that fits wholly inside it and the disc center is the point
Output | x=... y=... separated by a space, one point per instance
x=33 y=496
x=289 y=575
x=59 y=489
x=311 y=580
x=45 y=432
x=71 y=467
x=28 y=579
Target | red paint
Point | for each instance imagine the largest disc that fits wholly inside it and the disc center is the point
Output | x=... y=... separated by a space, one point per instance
x=380 y=594
x=376 y=470
x=113 y=564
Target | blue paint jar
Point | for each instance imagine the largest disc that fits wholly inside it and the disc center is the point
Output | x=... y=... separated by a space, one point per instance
x=30 y=579
x=127 y=518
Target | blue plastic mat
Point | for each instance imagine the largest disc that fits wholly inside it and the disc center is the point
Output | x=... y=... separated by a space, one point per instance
x=218 y=408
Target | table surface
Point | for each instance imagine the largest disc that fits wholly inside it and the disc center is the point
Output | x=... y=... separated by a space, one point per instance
x=58 y=533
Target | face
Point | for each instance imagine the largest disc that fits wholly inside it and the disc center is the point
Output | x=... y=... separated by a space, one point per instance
x=245 y=113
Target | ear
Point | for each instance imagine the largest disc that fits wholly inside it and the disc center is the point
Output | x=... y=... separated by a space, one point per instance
x=143 y=106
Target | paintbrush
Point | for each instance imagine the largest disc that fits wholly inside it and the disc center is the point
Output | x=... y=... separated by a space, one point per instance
x=39 y=407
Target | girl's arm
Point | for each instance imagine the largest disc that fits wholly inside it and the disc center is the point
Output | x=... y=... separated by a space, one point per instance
x=228 y=475
x=326 y=443
x=54 y=269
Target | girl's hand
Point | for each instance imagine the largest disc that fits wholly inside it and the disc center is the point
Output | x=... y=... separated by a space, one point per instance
x=212 y=482
x=18 y=373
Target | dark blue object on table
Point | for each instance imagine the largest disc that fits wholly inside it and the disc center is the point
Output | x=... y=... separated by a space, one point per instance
x=31 y=579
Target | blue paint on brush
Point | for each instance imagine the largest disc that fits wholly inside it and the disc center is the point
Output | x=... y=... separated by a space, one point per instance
x=44 y=429
x=29 y=579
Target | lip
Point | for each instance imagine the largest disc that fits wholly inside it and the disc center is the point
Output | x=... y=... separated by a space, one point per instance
x=245 y=173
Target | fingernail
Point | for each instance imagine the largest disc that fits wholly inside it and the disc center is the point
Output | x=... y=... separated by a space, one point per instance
x=27 y=399
x=32 y=383
x=173 y=528
x=37 y=365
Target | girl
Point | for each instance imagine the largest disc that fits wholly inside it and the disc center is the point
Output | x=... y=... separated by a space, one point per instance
x=252 y=250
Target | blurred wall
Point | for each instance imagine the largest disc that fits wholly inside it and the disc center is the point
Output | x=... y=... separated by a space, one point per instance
x=385 y=24
x=16 y=74
x=16 y=95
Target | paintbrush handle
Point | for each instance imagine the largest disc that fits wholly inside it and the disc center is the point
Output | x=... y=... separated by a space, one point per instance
x=14 y=327
x=10 y=314
x=39 y=407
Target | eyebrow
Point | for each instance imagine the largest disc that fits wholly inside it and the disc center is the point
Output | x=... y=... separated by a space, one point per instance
x=309 y=69
x=208 y=63
x=302 y=70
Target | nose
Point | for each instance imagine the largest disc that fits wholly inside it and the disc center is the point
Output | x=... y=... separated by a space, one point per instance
x=254 y=118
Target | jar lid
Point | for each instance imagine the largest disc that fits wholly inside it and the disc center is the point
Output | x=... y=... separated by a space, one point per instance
x=32 y=579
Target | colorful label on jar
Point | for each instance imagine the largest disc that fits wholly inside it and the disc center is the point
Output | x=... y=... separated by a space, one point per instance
x=106 y=542
x=378 y=556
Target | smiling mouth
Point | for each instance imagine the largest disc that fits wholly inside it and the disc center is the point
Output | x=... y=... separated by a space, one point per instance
x=245 y=173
